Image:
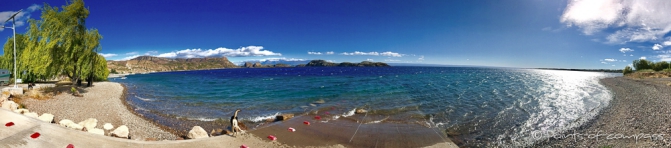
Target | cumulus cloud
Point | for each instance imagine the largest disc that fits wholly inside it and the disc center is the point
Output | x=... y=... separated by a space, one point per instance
x=668 y=42
x=602 y=62
x=623 y=50
x=369 y=60
x=421 y=58
x=329 y=52
x=632 y=20
x=315 y=53
x=107 y=55
x=281 y=59
x=153 y=52
x=657 y=47
x=132 y=53
x=21 y=18
x=391 y=60
x=664 y=57
x=610 y=60
x=643 y=58
x=240 y=52
x=388 y=53
x=129 y=57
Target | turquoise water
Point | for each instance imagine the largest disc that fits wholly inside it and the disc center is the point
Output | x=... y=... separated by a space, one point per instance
x=487 y=106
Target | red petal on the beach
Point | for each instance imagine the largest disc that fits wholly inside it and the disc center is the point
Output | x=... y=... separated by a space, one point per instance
x=271 y=137
x=244 y=146
x=9 y=124
x=291 y=129
x=70 y=146
x=318 y=118
x=328 y=113
x=306 y=122
x=35 y=135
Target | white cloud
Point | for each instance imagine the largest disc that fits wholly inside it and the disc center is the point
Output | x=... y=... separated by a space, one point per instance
x=330 y=52
x=664 y=57
x=631 y=55
x=369 y=60
x=129 y=57
x=421 y=58
x=152 y=52
x=623 y=50
x=388 y=53
x=315 y=53
x=281 y=59
x=132 y=53
x=668 y=42
x=20 y=19
x=610 y=60
x=602 y=62
x=643 y=58
x=633 y=20
x=107 y=55
x=240 y=52
x=391 y=60
x=657 y=47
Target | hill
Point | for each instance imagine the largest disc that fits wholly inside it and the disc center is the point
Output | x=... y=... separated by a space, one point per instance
x=145 y=64
x=322 y=63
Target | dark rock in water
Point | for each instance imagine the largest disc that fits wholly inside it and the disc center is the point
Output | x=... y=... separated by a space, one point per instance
x=320 y=101
x=360 y=111
x=284 y=117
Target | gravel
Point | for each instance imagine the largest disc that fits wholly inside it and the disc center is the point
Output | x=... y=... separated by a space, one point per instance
x=639 y=107
x=104 y=102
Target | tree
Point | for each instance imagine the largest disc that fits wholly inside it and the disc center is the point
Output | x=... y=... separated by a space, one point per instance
x=627 y=70
x=59 y=44
x=642 y=64
x=660 y=66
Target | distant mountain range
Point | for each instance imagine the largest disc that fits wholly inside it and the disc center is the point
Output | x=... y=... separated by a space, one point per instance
x=144 y=64
x=291 y=62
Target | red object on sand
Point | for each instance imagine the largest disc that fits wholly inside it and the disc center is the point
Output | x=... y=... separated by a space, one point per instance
x=244 y=146
x=70 y=146
x=318 y=118
x=291 y=129
x=272 y=138
x=9 y=124
x=328 y=113
x=35 y=135
x=306 y=122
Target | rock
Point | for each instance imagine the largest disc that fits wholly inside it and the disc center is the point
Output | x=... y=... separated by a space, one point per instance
x=320 y=101
x=360 y=111
x=313 y=105
x=89 y=123
x=69 y=124
x=21 y=111
x=284 y=117
x=10 y=105
x=218 y=132
x=108 y=126
x=97 y=131
x=47 y=117
x=121 y=132
x=32 y=114
x=197 y=132
x=149 y=139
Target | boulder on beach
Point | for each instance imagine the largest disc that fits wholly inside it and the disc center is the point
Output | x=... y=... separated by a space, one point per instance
x=197 y=132
x=32 y=115
x=10 y=105
x=361 y=111
x=284 y=117
x=121 y=132
x=108 y=126
x=46 y=117
x=97 y=131
x=217 y=132
x=89 y=123
x=70 y=124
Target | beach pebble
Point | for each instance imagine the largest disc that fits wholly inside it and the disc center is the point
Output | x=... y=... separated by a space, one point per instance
x=217 y=132
x=46 y=117
x=108 y=126
x=32 y=114
x=121 y=132
x=96 y=131
x=197 y=132
x=291 y=129
x=360 y=111
x=89 y=123
x=272 y=138
x=306 y=122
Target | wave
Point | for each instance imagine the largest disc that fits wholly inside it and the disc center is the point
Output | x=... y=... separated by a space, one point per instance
x=262 y=117
x=202 y=119
x=144 y=99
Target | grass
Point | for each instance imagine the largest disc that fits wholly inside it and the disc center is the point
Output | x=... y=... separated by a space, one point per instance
x=646 y=70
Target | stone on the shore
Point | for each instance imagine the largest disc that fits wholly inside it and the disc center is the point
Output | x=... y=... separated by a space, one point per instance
x=360 y=111
x=320 y=101
x=197 y=132
x=46 y=117
x=97 y=131
x=21 y=111
x=284 y=117
x=108 y=126
x=32 y=115
x=121 y=132
x=218 y=132
x=70 y=124
x=10 y=105
x=89 y=123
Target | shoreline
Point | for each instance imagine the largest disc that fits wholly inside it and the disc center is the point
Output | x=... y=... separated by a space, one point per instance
x=636 y=117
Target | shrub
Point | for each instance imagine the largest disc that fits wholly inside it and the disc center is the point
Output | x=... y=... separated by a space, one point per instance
x=73 y=90
x=627 y=70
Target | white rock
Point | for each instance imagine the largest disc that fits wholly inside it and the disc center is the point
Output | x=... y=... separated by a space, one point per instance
x=97 y=131
x=197 y=132
x=46 y=117
x=89 y=123
x=21 y=111
x=121 y=132
x=69 y=124
x=10 y=105
x=108 y=126
x=32 y=114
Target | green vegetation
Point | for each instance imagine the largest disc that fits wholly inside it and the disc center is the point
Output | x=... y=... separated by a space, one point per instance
x=627 y=70
x=58 y=44
x=643 y=65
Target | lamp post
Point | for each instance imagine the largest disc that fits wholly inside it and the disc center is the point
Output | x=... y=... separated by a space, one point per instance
x=13 y=29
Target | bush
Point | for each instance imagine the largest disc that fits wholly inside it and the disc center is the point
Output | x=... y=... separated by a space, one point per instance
x=642 y=64
x=627 y=70
x=73 y=90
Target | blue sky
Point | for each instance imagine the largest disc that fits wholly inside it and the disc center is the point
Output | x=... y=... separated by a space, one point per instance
x=513 y=33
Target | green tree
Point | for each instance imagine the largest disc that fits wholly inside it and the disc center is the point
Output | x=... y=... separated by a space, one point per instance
x=660 y=66
x=627 y=70
x=642 y=64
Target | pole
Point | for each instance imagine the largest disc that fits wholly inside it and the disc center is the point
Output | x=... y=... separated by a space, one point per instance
x=14 y=29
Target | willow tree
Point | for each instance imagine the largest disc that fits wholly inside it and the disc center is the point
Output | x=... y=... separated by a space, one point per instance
x=59 y=44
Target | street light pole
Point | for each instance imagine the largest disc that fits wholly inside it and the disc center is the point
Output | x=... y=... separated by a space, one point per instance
x=14 y=30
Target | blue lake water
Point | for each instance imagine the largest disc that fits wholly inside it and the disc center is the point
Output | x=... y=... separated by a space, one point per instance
x=493 y=106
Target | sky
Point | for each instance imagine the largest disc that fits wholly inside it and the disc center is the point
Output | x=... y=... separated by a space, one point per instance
x=589 y=34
